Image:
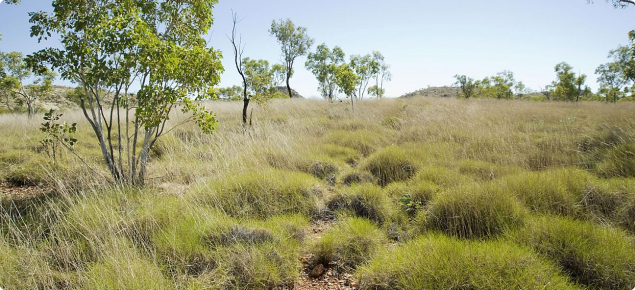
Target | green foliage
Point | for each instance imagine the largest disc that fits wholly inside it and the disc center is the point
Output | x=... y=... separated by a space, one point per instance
x=12 y=82
x=233 y=93
x=568 y=86
x=499 y=86
x=350 y=243
x=260 y=193
x=118 y=42
x=367 y=201
x=412 y=195
x=595 y=256
x=56 y=133
x=294 y=42
x=441 y=176
x=439 y=262
x=474 y=212
x=346 y=80
x=390 y=164
x=323 y=64
x=467 y=86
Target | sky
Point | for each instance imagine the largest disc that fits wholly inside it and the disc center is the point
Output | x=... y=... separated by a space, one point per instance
x=425 y=42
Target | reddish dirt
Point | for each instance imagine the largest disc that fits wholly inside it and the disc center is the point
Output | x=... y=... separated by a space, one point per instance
x=12 y=191
x=333 y=277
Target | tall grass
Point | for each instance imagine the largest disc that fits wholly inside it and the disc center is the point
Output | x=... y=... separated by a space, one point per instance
x=230 y=210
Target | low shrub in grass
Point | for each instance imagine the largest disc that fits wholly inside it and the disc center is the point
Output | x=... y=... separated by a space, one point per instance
x=474 y=212
x=556 y=191
x=364 y=141
x=367 y=201
x=412 y=195
x=349 y=244
x=618 y=162
x=390 y=164
x=260 y=193
x=439 y=262
x=593 y=255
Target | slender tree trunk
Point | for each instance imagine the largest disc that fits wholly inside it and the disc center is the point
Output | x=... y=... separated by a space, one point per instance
x=289 y=87
x=245 y=105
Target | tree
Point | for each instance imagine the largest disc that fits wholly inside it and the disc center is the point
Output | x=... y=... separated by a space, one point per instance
x=106 y=46
x=366 y=69
x=566 y=86
x=233 y=93
x=347 y=81
x=12 y=83
x=382 y=74
x=499 y=86
x=294 y=42
x=618 y=3
x=323 y=64
x=466 y=84
x=260 y=79
x=238 y=61
x=615 y=76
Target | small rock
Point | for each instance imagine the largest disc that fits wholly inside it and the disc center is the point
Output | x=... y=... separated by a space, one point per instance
x=317 y=271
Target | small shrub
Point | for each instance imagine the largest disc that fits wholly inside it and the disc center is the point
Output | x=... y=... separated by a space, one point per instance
x=349 y=244
x=389 y=165
x=439 y=262
x=412 y=195
x=593 y=255
x=474 y=212
x=367 y=201
x=261 y=194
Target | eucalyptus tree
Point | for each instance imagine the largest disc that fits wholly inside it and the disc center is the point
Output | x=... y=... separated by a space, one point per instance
x=109 y=46
x=323 y=64
x=615 y=77
x=382 y=74
x=347 y=80
x=13 y=82
x=565 y=87
x=466 y=85
x=294 y=42
x=365 y=69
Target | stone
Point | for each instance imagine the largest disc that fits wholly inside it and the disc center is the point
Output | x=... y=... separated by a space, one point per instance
x=317 y=271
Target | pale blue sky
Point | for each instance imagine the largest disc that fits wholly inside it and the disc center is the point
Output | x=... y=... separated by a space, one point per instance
x=425 y=42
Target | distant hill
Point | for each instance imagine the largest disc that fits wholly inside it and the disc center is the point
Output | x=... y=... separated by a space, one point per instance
x=294 y=93
x=442 y=92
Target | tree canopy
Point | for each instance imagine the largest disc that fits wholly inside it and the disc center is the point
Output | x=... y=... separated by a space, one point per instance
x=294 y=42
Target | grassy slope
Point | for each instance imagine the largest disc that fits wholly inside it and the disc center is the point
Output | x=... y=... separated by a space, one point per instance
x=230 y=210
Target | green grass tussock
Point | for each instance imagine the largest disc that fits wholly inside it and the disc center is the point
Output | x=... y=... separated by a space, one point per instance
x=474 y=212
x=439 y=262
x=260 y=193
x=444 y=177
x=595 y=256
x=618 y=162
x=556 y=191
x=390 y=164
x=350 y=243
x=367 y=201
